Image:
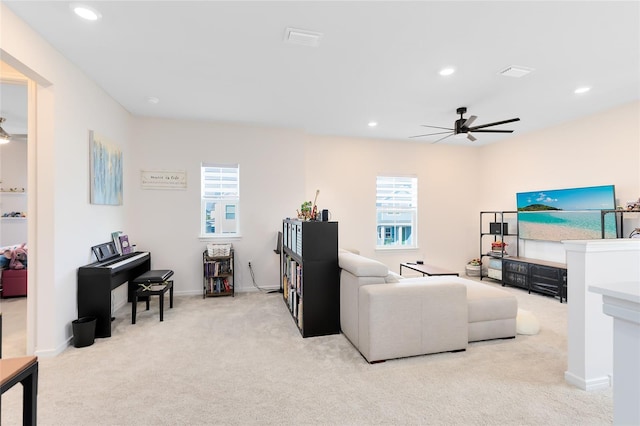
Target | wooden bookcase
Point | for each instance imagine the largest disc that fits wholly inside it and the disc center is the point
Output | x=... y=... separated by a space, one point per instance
x=310 y=276
x=218 y=275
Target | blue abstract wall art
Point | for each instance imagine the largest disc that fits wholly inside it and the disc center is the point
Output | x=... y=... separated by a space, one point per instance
x=106 y=171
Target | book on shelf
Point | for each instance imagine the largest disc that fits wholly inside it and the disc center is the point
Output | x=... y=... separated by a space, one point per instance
x=115 y=236
x=214 y=268
x=218 y=285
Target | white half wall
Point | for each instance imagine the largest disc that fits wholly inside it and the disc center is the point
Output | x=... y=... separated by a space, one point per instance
x=590 y=331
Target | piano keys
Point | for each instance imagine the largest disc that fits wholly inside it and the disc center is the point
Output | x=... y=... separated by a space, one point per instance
x=97 y=280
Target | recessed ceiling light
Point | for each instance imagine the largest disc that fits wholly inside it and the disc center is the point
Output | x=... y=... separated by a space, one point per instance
x=153 y=100
x=581 y=90
x=447 y=71
x=85 y=12
x=373 y=124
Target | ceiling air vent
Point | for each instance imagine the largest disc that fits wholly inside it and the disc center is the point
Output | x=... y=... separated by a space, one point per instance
x=514 y=71
x=303 y=37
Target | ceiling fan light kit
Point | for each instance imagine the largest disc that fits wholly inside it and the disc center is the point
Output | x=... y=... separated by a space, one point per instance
x=4 y=136
x=463 y=126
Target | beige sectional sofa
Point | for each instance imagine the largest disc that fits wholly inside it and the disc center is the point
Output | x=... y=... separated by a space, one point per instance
x=386 y=316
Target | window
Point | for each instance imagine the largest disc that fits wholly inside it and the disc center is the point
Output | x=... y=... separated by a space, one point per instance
x=220 y=196
x=396 y=212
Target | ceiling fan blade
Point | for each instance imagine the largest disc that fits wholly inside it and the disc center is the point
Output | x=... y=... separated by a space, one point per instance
x=448 y=136
x=491 y=131
x=436 y=127
x=471 y=138
x=497 y=123
x=470 y=120
x=429 y=134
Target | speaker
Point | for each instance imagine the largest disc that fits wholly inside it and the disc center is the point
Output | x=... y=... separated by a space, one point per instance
x=494 y=228
x=325 y=215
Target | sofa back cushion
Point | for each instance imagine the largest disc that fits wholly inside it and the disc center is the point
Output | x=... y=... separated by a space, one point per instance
x=361 y=266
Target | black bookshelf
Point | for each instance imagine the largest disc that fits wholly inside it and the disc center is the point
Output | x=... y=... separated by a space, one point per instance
x=310 y=276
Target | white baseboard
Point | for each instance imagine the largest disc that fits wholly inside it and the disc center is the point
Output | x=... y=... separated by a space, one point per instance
x=50 y=353
x=587 y=384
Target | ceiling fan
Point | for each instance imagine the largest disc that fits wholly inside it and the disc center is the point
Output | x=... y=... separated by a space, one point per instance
x=463 y=126
x=6 y=137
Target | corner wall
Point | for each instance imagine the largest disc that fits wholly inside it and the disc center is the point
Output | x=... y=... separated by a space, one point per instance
x=64 y=222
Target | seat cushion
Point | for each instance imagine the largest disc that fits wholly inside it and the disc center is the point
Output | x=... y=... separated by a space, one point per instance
x=487 y=303
x=154 y=276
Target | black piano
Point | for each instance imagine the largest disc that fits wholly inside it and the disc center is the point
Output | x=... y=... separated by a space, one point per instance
x=98 y=279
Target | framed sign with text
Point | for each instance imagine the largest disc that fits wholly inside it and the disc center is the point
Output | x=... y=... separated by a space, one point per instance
x=163 y=179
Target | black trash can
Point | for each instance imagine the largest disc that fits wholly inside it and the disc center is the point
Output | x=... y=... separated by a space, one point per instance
x=84 y=331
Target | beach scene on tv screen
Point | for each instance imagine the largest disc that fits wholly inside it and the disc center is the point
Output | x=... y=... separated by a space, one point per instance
x=566 y=214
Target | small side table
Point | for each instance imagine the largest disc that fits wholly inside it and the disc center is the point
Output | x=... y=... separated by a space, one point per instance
x=22 y=370
x=427 y=269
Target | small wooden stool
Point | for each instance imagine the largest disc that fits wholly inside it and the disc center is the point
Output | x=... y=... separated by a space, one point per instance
x=22 y=370
x=152 y=283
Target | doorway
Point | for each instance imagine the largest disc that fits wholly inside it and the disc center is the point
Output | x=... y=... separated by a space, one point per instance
x=13 y=211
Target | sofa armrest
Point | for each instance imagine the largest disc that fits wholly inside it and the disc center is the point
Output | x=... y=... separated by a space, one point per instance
x=399 y=320
x=349 y=287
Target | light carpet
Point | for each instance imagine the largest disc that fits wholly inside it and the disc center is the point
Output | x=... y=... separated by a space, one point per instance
x=241 y=360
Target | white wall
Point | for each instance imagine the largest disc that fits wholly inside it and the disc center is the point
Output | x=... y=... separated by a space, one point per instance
x=279 y=169
x=66 y=224
x=167 y=222
x=601 y=149
x=282 y=168
x=345 y=170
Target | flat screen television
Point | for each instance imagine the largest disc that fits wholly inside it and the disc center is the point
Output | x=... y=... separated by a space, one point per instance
x=566 y=214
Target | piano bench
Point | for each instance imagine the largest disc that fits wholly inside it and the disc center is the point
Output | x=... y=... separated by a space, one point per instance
x=152 y=283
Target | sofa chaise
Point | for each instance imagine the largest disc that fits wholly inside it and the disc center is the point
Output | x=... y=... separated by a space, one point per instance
x=386 y=316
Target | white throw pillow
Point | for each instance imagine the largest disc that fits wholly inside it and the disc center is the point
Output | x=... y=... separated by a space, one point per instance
x=527 y=323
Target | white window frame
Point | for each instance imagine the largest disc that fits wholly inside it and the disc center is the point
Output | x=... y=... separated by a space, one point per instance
x=394 y=198
x=219 y=183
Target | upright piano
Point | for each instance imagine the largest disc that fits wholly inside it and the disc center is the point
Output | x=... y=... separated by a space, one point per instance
x=97 y=280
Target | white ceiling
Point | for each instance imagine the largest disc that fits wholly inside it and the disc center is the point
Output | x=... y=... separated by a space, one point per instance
x=377 y=60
